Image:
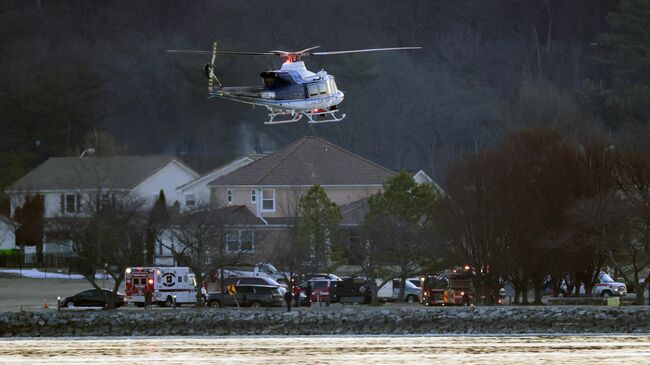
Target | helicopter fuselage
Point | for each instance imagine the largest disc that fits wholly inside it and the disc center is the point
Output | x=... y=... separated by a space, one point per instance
x=291 y=89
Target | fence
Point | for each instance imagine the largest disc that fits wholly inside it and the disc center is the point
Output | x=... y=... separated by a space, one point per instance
x=16 y=259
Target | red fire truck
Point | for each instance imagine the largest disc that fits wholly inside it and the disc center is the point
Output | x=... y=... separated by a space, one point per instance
x=451 y=288
x=164 y=283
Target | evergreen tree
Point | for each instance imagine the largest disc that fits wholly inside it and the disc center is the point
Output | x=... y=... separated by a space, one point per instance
x=628 y=57
x=318 y=226
x=398 y=221
x=158 y=218
x=30 y=219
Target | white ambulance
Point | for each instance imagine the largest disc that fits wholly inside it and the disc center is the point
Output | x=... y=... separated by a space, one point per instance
x=163 y=282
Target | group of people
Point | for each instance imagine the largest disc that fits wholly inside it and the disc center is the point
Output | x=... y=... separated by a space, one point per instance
x=292 y=296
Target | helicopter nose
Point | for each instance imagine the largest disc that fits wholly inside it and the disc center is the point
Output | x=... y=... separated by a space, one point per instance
x=339 y=97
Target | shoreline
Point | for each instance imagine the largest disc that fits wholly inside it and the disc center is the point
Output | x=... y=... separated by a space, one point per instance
x=412 y=321
x=360 y=335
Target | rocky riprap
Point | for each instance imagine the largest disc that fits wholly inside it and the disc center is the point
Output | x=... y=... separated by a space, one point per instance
x=347 y=320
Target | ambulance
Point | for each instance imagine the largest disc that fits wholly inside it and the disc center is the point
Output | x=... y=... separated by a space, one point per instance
x=165 y=284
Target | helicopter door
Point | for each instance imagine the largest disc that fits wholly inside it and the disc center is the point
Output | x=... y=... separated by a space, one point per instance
x=312 y=90
x=322 y=88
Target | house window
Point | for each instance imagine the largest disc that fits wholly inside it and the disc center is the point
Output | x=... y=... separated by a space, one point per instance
x=190 y=200
x=70 y=203
x=232 y=242
x=268 y=200
x=229 y=196
x=240 y=241
x=246 y=240
x=253 y=196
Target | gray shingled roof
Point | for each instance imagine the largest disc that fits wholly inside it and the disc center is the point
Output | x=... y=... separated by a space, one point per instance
x=354 y=214
x=229 y=215
x=72 y=173
x=308 y=161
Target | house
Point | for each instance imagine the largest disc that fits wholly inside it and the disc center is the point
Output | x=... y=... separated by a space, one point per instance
x=69 y=186
x=196 y=193
x=67 y=183
x=7 y=233
x=270 y=187
x=235 y=223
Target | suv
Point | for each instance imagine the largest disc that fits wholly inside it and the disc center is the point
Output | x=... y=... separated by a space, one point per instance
x=248 y=296
x=351 y=290
x=255 y=280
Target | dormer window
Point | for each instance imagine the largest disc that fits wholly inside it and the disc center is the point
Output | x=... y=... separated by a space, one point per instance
x=253 y=196
x=229 y=196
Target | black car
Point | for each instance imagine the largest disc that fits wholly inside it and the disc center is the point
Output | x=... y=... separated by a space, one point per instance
x=248 y=296
x=92 y=298
x=351 y=290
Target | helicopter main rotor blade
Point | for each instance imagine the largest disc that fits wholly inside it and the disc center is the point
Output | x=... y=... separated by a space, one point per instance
x=358 y=51
x=308 y=49
x=190 y=51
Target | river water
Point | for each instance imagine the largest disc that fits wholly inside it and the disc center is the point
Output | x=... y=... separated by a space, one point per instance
x=605 y=349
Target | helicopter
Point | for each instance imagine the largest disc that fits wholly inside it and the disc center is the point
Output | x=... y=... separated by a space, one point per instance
x=290 y=92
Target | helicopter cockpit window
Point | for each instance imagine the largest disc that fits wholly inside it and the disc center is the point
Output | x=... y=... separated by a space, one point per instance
x=268 y=81
x=312 y=89
x=333 y=86
x=322 y=87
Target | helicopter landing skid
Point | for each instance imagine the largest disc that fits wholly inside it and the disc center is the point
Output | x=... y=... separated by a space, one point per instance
x=325 y=114
x=294 y=118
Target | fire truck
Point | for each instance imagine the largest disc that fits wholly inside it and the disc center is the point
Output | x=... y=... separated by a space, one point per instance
x=165 y=284
x=452 y=288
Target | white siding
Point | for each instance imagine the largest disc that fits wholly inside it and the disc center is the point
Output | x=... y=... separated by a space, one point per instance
x=168 y=179
x=7 y=235
x=200 y=188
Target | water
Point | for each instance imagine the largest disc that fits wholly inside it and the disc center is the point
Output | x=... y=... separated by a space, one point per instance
x=606 y=349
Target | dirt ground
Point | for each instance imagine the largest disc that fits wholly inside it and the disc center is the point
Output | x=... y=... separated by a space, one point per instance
x=30 y=293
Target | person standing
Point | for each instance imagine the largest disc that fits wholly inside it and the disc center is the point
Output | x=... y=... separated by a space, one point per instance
x=296 y=295
x=288 y=298
x=147 y=297
x=308 y=294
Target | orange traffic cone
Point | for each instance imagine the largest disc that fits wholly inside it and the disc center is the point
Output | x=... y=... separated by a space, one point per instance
x=45 y=306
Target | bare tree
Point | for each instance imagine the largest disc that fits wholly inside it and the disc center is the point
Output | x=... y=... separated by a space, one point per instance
x=632 y=176
x=209 y=239
x=372 y=253
x=109 y=236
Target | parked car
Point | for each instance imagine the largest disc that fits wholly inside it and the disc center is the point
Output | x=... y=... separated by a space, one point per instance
x=351 y=290
x=415 y=281
x=607 y=287
x=215 y=286
x=318 y=276
x=248 y=296
x=92 y=298
x=255 y=280
x=320 y=289
x=411 y=292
